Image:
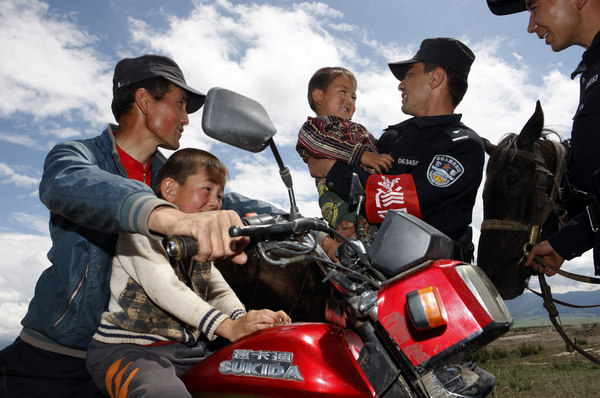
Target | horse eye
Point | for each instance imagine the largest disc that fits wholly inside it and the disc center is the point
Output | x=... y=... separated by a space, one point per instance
x=511 y=181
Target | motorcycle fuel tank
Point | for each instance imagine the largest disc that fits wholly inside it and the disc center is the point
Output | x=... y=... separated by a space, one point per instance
x=297 y=360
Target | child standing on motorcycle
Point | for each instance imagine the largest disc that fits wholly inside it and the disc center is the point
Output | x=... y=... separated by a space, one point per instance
x=163 y=314
x=333 y=135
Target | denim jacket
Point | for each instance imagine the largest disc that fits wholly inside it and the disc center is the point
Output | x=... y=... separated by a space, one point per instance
x=90 y=199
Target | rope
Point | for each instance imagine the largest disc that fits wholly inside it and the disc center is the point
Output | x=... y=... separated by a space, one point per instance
x=553 y=313
x=570 y=275
x=563 y=302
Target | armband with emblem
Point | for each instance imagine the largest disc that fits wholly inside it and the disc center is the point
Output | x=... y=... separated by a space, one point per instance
x=390 y=192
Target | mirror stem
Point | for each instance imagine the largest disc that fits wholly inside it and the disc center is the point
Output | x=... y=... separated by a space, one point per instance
x=360 y=231
x=286 y=177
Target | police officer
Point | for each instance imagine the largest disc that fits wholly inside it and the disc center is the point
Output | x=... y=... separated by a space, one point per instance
x=438 y=160
x=561 y=24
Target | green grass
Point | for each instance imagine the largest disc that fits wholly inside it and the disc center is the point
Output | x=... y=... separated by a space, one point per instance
x=542 y=320
x=531 y=370
x=528 y=349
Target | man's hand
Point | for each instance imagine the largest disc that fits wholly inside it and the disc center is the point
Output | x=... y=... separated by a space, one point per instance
x=330 y=247
x=544 y=250
x=319 y=167
x=251 y=322
x=211 y=230
x=346 y=228
x=380 y=162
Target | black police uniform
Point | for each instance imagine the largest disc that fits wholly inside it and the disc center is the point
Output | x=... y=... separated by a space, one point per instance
x=577 y=235
x=445 y=159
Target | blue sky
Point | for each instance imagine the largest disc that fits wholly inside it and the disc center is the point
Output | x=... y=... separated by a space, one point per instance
x=58 y=58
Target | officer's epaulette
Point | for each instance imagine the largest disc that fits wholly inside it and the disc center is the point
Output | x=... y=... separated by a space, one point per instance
x=462 y=132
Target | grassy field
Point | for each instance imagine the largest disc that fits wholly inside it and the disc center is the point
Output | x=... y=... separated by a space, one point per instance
x=534 y=362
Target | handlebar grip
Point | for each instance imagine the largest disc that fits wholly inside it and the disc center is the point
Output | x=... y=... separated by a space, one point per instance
x=235 y=231
x=179 y=247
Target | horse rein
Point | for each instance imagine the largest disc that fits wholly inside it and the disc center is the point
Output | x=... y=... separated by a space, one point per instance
x=550 y=206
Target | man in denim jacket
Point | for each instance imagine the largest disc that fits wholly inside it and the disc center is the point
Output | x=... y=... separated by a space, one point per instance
x=94 y=189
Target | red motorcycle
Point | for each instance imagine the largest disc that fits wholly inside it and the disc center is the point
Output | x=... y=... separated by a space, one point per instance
x=414 y=317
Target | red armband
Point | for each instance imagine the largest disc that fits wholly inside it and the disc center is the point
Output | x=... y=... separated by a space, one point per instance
x=386 y=192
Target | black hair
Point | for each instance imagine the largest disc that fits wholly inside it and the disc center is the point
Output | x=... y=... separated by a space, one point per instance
x=158 y=87
x=322 y=78
x=457 y=85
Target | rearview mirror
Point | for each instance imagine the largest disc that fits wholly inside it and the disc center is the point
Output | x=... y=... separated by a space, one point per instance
x=236 y=120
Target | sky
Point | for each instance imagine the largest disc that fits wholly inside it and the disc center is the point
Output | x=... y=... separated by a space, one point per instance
x=58 y=59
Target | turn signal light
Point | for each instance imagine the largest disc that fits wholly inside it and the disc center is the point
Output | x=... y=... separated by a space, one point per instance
x=426 y=309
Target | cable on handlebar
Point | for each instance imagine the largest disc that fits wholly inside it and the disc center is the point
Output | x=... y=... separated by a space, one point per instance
x=281 y=232
x=363 y=259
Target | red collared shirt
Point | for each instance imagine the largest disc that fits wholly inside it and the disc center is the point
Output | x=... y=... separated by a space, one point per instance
x=135 y=170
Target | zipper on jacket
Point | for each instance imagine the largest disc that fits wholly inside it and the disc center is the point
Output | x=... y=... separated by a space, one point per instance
x=83 y=278
x=119 y=166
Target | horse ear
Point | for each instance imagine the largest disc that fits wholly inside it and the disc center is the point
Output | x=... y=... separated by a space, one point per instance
x=532 y=130
x=489 y=147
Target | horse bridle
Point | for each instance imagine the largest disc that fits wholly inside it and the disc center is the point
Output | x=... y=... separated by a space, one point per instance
x=548 y=205
x=544 y=203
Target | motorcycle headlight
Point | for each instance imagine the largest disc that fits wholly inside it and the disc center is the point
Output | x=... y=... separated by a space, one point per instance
x=485 y=292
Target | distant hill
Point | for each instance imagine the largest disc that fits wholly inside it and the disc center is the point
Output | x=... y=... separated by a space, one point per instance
x=528 y=309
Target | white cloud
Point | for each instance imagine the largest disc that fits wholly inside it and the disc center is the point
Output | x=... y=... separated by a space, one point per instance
x=27 y=141
x=250 y=49
x=53 y=68
x=23 y=260
x=12 y=313
x=31 y=221
x=8 y=175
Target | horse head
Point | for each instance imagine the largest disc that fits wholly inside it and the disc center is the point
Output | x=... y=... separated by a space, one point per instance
x=519 y=203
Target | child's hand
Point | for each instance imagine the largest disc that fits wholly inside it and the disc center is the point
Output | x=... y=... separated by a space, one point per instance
x=346 y=228
x=379 y=162
x=250 y=323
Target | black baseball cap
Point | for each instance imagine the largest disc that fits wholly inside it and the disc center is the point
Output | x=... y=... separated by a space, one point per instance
x=506 y=7
x=133 y=70
x=444 y=51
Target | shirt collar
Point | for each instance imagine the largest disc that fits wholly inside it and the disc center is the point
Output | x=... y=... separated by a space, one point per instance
x=428 y=121
x=589 y=57
x=135 y=170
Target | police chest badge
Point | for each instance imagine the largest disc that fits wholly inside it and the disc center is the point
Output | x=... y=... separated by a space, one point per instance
x=444 y=170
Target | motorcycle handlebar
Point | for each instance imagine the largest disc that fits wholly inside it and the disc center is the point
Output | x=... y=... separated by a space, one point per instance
x=179 y=247
x=299 y=226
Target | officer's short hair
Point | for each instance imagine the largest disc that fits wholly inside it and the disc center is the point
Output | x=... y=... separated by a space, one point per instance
x=457 y=85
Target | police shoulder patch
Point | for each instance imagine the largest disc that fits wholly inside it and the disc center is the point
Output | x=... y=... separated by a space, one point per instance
x=444 y=170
